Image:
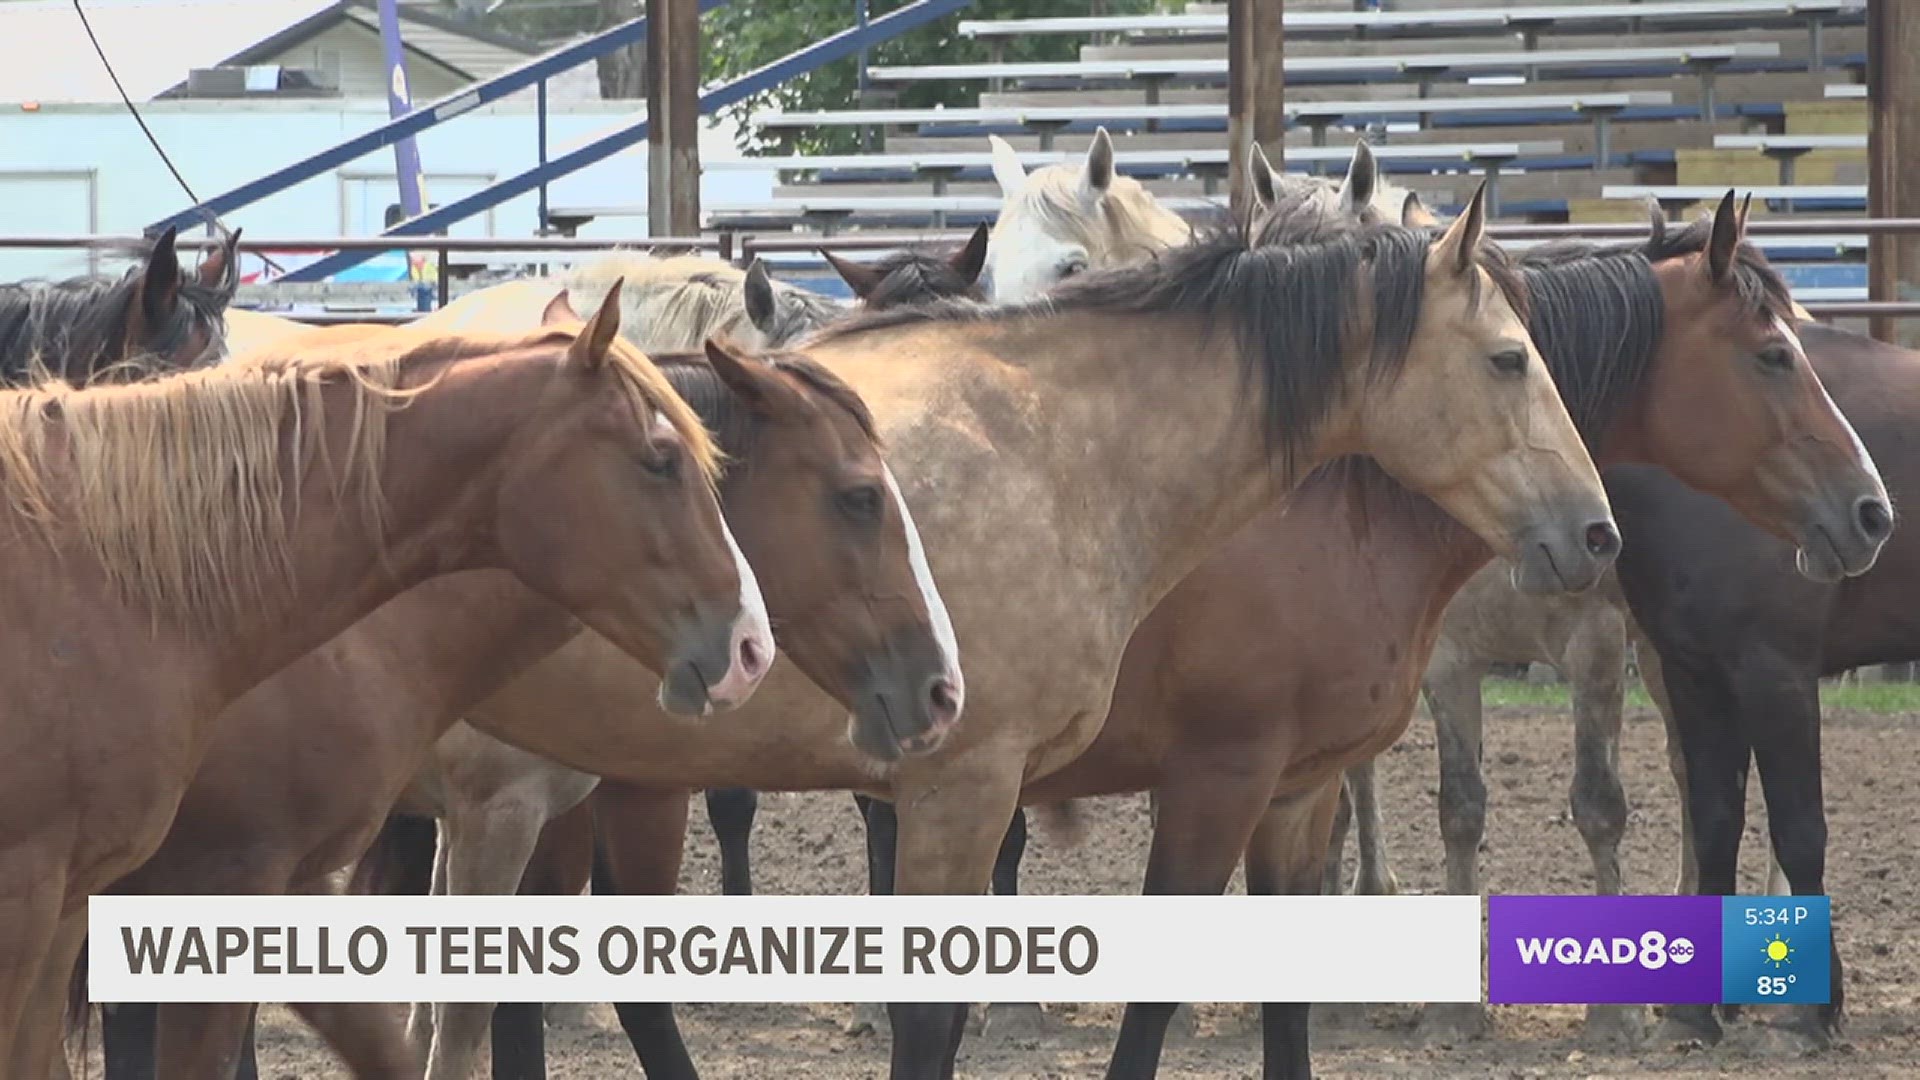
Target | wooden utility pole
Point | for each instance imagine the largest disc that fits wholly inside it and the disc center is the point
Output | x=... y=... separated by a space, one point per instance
x=1893 y=102
x=1256 y=99
x=673 y=112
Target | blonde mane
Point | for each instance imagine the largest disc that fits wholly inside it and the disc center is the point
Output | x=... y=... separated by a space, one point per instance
x=1131 y=224
x=185 y=487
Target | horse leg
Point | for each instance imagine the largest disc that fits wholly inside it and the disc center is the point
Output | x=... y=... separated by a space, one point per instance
x=126 y=1039
x=1452 y=691
x=1782 y=715
x=1717 y=754
x=1647 y=659
x=883 y=829
x=1008 y=1020
x=43 y=1024
x=1282 y=860
x=487 y=853
x=420 y=1013
x=949 y=833
x=640 y=835
x=1332 y=880
x=561 y=864
x=1208 y=812
x=1375 y=877
x=366 y=1035
x=1595 y=663
x=731 y=811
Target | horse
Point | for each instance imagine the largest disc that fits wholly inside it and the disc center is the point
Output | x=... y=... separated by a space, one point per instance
x=911 y=277
x=79 y=327
x=1646 y=342
x=997 y=412
x=1062 y=220
x=234 y=518
x=681 y=301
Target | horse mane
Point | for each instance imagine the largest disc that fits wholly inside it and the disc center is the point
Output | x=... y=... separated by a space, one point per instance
x=1760 y=288
x=65 y=327
x=1597 y=318
x=673 y=304
x=732 y=423
x=1129 y=216
x=1293 y=310
x=911 y=277
x=183 y=486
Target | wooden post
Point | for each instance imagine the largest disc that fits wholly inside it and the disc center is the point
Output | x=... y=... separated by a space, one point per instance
x=1256 y=101
x=673 y=106
x=1893 y=102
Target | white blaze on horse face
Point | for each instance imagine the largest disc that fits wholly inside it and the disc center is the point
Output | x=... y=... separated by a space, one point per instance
x=936 y=607
x=1860 y=455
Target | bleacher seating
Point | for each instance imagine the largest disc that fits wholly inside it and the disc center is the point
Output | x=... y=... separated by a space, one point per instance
x=1581 y=109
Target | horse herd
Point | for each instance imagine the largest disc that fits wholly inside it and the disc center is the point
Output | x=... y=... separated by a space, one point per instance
x=1191 y=511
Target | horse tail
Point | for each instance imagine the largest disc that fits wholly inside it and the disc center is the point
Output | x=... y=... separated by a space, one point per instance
x=1062 y=822
x=399 y=862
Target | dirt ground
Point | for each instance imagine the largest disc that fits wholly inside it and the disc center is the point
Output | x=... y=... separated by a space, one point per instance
x=812 y=844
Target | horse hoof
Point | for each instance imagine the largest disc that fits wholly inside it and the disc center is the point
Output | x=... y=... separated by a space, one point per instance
x=1455 y=1021
x=1688 y=1025
x=869 y=1017
x=1809 y=1029
x=1384 y=885
x=1018 y=1023
x=1615 y=1026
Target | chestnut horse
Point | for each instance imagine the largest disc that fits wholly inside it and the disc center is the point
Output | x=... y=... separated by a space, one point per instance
x=75 y=328
x=1103 y=440
x=231 y=519
x=1693 y=333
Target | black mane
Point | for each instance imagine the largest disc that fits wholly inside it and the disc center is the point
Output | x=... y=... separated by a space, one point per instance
x=914 y=277
x=1293 y=309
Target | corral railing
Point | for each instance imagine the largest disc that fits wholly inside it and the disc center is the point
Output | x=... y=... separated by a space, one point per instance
x=740 y=247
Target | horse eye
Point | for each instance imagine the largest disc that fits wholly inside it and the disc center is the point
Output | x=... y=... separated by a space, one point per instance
x=1776 y=358
x=862 y=503
x=1069 y=269
x=1509 y=361
x=665 y=464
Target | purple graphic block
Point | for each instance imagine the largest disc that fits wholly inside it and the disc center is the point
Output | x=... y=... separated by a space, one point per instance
x=1591 y=950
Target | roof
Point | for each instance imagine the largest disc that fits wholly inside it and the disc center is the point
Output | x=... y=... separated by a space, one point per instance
x=62 y=66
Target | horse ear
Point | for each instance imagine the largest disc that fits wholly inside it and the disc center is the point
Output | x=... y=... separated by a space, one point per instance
x=559 y=310
x=1006 y=167
x=1414 y=213
x=589 y=348
x=1458 y=246
x=860 y=278
x=1746 y=204
x=1097 y=176
x=160 y=283
x=1724 y=238
x=758 y=289
x=751 y=380
x=1363 y=176
x=970 y=260
x=1262 y=177
x=214 y=269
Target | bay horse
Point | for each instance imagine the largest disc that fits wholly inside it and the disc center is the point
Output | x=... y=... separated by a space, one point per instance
x=1336 y=603
x=77 y=328
x=1060 y=436
x=183 y=537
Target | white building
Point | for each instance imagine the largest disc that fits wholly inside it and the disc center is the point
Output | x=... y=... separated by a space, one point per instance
x=73 y=159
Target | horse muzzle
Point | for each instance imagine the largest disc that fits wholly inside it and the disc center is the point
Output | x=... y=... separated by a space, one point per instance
x=1564 y=558
x=717 y=665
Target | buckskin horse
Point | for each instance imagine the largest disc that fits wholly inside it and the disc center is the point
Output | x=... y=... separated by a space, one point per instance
x=234 y=518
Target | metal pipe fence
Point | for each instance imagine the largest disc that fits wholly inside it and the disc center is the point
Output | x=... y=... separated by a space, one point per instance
x=741 y=247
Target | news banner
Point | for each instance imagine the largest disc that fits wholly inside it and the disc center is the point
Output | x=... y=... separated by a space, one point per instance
x=1538 y=949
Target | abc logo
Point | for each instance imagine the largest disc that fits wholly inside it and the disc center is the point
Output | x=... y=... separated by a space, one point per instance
x=1656 y=951
x=1680 y=950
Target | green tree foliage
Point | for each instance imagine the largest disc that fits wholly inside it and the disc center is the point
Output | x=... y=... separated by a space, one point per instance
x=746 y=34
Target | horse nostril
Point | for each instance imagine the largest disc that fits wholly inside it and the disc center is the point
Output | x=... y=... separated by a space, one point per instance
x=1603 y=540
x=1876 y=521
x=945 y=700
x=752 y=664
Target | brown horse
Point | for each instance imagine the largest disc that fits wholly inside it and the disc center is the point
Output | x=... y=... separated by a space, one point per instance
x=180 y=539
x=1101 y=442
x=82 y=326
x=807 y=494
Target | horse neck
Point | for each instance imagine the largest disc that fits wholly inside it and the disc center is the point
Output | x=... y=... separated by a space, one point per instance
x=1429 y=555
x=1130 y=431
x=441 y=466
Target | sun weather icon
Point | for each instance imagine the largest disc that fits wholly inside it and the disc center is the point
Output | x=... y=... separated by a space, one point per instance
x=1779 y=951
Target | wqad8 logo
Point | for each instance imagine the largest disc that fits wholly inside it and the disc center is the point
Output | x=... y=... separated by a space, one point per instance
x=1578 y=950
